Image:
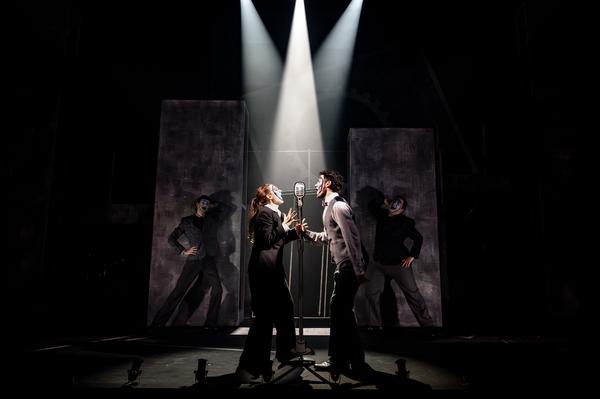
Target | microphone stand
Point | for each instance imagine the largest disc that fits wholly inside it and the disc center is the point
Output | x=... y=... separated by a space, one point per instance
x=300 y=343
x=300 y=363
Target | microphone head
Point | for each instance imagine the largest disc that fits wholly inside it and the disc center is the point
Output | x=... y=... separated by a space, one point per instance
x=299 y=189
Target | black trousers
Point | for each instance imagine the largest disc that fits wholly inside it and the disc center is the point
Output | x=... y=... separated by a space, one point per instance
x=196 y=279
x=272 y=305
x=344 y=340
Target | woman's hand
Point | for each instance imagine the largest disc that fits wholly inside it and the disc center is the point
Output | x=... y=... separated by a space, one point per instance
x=290 y=217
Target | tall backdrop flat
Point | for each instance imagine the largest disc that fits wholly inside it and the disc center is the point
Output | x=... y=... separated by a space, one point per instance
x=201 y=152
x=389 y=162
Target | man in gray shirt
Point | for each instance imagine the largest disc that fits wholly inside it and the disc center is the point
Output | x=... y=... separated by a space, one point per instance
x=340 y=232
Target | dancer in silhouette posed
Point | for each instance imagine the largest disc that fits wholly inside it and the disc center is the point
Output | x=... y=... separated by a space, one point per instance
x=394 y=259
x=199 y=274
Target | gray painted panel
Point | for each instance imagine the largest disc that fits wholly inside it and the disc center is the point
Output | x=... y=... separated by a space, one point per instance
x=201 y=151
x=398 y=162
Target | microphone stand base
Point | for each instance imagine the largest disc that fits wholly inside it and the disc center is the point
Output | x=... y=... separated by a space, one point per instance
x=292 y=370
x=302 y=349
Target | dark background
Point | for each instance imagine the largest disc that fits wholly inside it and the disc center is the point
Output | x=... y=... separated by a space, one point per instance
x=503 y=83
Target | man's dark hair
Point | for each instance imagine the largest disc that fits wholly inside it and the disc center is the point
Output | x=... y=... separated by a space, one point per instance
x=337 y=181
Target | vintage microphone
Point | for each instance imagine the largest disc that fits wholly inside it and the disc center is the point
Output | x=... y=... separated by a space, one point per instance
x=299 y=189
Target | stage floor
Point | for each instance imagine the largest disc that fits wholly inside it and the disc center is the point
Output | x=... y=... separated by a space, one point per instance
x=436 y=364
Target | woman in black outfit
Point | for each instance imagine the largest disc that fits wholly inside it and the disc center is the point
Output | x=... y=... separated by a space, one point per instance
x=272 y=302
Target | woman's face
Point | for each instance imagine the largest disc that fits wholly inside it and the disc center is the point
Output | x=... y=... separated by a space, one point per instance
x=277 y=195
x=202 y=206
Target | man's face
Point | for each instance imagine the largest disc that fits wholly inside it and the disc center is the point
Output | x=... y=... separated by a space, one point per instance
x=396 y=207
x=278 y=195
x=203 y=204
x=320 y=187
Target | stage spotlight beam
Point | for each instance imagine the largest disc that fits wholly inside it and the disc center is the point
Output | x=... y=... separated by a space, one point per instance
x=297 y=127
x=262 y=71
x=332 y=66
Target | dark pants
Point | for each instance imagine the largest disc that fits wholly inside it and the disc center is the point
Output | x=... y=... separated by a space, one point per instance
x=272 y=305
x=344 y=341
x=405 y=279
x=204 y=276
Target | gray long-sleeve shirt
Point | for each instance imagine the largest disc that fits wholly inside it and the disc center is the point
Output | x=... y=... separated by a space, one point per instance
x=341 y=233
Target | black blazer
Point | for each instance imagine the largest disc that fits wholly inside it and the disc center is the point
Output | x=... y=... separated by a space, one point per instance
x=269 y=239
x=390 y=235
